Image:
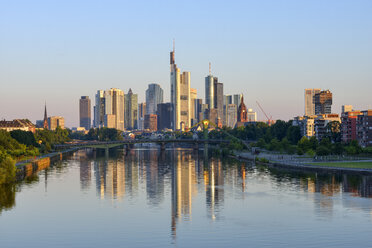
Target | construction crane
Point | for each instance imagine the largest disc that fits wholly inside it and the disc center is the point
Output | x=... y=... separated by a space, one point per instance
x=269 y=120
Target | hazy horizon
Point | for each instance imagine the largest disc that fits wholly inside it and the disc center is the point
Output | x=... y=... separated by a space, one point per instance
x=269 y=50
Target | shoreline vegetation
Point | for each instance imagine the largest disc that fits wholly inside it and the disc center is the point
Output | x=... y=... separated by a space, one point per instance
x=280 y=143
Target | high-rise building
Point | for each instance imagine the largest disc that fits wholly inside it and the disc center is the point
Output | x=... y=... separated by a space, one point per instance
x=309 y=101
x=237 y=99
x=209 y=91
x=131 y=110
x=180 y=94
x=85 y=112
x=231 y=115
x=154 y=96
x=323 y=102
x=99 y=109
x=349 y=125
x=151 y=122
x=364 y=128
x=199 y=112
x=56 y=121
x=164 y=115
x=141 y=115
x=193 y=96
x=218 y=98
x=214 y=95
x=114 y=105
x=346 y=108
x=251 y=115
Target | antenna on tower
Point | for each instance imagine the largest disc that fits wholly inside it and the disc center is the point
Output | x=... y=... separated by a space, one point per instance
x=210 y=68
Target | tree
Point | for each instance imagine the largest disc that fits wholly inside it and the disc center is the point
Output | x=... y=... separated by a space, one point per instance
x=7 y=168
x=322 y=150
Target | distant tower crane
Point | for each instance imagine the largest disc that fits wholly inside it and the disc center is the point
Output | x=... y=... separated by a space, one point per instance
x=269 y=120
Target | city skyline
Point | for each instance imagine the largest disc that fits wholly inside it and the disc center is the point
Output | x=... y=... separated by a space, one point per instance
x=267 y=52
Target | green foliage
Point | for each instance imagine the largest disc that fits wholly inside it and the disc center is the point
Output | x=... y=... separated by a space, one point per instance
x=353 y=148
x=310 y=152
x=7 y=168
x=48 y=138
x=104 y=134
x=23 y=137
x=323 y=150
x=11 y=147
x=274 y=145
x=7 y=196
x=262 y=160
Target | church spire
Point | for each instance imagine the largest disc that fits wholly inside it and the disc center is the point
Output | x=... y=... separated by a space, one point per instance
x=45 y=122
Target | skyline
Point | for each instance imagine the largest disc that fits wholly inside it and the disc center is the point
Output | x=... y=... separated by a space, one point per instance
x=58 y=52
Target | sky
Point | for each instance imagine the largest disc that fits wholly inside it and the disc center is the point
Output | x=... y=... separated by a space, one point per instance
x=270 y=51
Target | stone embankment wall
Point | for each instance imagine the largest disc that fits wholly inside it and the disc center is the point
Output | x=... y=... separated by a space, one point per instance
x=29 y=168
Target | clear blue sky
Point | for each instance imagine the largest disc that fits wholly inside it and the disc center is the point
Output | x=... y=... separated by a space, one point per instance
x=57 y=51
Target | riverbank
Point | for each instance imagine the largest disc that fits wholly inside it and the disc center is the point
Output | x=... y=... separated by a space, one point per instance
x=304 y=163
x=28 y=167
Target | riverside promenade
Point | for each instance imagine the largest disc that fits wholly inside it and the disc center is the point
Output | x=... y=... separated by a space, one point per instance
x=330 y=163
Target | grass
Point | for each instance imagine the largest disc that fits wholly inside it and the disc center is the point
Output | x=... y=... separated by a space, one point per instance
x=358 y=165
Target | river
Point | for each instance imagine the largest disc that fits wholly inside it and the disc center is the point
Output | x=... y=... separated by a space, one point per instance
x=181 y=198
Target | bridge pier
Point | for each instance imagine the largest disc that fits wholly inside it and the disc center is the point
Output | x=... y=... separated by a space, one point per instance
x=162 y=146
x=196 y=146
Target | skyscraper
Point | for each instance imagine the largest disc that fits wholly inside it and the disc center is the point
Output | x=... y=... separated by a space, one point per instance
x=323 y=102
x=180 y=94
x=309 y=101
x=141 y=115
x=114 y=107
x=99 y=109
x=237 y=99
x=231 y=115
x=85 y=112
x=154 y=96
x=131 y=110
x=214 y=96
x=164 y=114
x=193 y=96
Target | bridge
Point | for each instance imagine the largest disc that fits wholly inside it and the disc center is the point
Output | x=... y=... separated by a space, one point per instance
x=130 y=143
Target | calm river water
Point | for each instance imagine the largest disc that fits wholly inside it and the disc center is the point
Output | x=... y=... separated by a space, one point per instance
x=179 y=198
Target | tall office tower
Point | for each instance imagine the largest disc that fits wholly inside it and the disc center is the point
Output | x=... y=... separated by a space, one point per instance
x=84 y=112
x=231 y=115
x=45 y=121
x=180 y=94
x=212 y=115
x=227 y=99
x=346 y=108
x=141 y=115
x=151 y=122
x=56 y=121
x=237 y=99
x=114 y=108
x=154 y=96
x=218 y=98
x=193 y=96
x=131 y=110
x=252 y=116
x=242 y=111
x=309 y=101
x=209 y=91
x=214 y=94
x=198 y=103
x=99 y=109
x=164 y=114
x=323 y=102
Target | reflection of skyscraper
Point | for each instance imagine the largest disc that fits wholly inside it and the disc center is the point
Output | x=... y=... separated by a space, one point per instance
x=85 y=174
x=183 y=187
x=154 y=179
x=110 y=178
x=215 y=193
